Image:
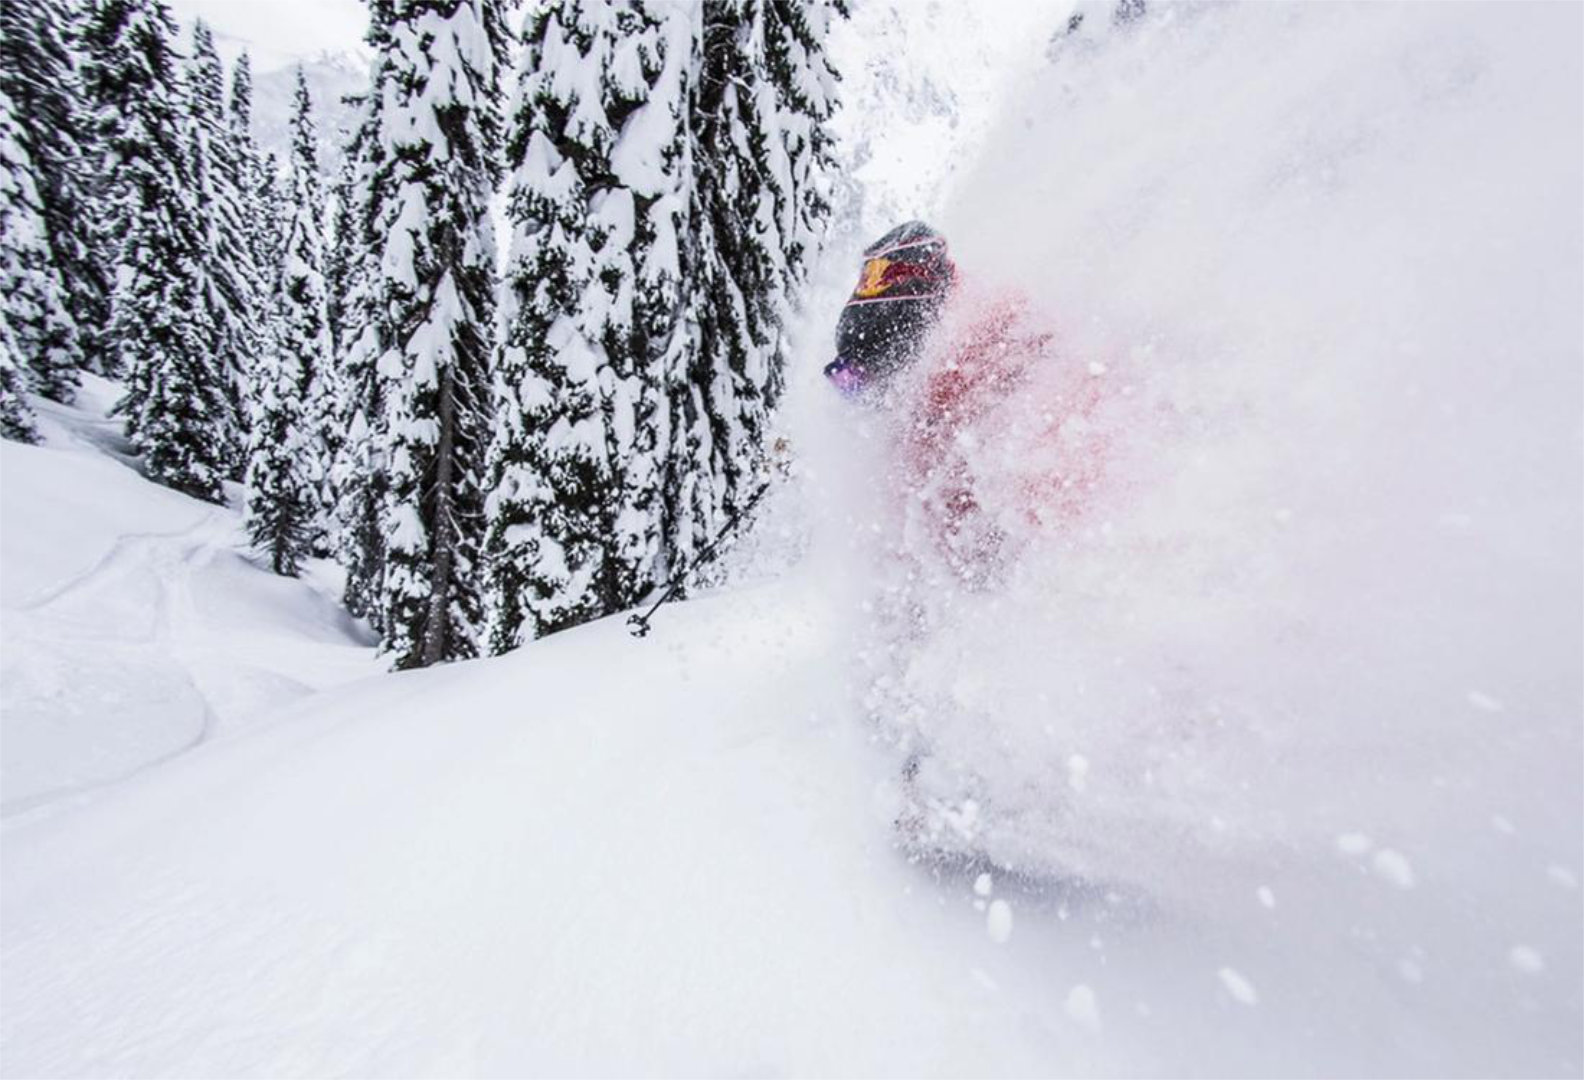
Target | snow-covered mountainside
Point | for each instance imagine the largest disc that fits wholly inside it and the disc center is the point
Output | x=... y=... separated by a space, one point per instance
x=1282 y=728
x=331 y=78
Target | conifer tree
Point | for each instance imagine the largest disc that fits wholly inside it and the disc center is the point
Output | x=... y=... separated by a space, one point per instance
x=757 y=164
x=304 y=313
x=16 y=416
x=573 y=506
x=440 y=130
x=236 y=286
x=39 y=73
x=255 y=179
x=177 y=406
x=670 y=190
x=286 y=454
x=280 y=498
x=358 y=470
x=341 y=234
x=761 y=159
x=42 y=337
x=801 y=160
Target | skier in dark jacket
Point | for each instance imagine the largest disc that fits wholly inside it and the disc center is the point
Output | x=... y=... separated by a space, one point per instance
x=906 y=278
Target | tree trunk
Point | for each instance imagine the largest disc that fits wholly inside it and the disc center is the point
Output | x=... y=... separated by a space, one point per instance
x=436 y=628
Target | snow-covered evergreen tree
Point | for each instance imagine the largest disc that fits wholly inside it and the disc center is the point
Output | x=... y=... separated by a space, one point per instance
x=236 y=287
x=573 y=505
x=341 y=234
x=756 y=171
x=39 y=73
x=255 y=176
x=440 y=128
x=801 y=158
x=358 y=470
x=16 y=416
x=43 y=338
x=670 y=189
x=177 y=405
x=304 y=325
x=286 y=457
x=281 y=501
x=761 y=158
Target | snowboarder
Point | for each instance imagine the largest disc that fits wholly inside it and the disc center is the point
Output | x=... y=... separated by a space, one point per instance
x=968 y=353
x=993 y=443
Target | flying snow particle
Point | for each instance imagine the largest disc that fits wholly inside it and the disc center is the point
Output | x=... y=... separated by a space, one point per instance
x=1394 y=867
x=1240 y=988
x=1081 y=1007
x=999 y=921
x=1410 y=971
x=1096 y=368
x=1354 y=843
x=1266 y=897
x=984 y=982
x=1077 y=772
x=1484 y=702
x=1527 y=960
x=1562 y=876
x=983 y=885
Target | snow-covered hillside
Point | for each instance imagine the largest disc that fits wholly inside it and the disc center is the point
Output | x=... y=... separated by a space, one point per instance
x=135 y=625
x=1284 y=736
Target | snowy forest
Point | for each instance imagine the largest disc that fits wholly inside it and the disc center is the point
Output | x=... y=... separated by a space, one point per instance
x=791 y=537
x=495 y=437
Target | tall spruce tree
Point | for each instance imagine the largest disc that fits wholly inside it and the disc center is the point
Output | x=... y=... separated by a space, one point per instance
x=39 y=73
x=304 y=314
x=257 y=197
x=177 y=405
x=16 y=416
x=237 y=288
x=358 y=476
x=573 y=506
x=801 y=158
x=440 y=128
x=280 y=497
x=756 y=164
x=340 y=235
x=670 y=189
x=42 y=337
x=761 y=162
x=286 y=456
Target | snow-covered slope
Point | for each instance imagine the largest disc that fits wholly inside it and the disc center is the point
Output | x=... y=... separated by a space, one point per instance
x=134 y=626
x=597 y=856
x=1321 y=669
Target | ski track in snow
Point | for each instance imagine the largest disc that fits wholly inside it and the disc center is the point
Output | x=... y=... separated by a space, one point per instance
x=167 y=561
x=116 y=668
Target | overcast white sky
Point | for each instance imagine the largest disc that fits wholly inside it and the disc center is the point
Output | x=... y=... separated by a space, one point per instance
x=278 y=32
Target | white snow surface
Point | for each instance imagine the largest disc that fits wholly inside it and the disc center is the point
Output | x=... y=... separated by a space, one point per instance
x=1338 y=247
x=133 y=625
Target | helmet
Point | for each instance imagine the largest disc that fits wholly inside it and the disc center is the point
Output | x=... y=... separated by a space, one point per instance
x=905 y=278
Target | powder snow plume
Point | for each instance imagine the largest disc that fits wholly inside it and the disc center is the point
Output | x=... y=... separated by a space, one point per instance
x=1286 y=492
